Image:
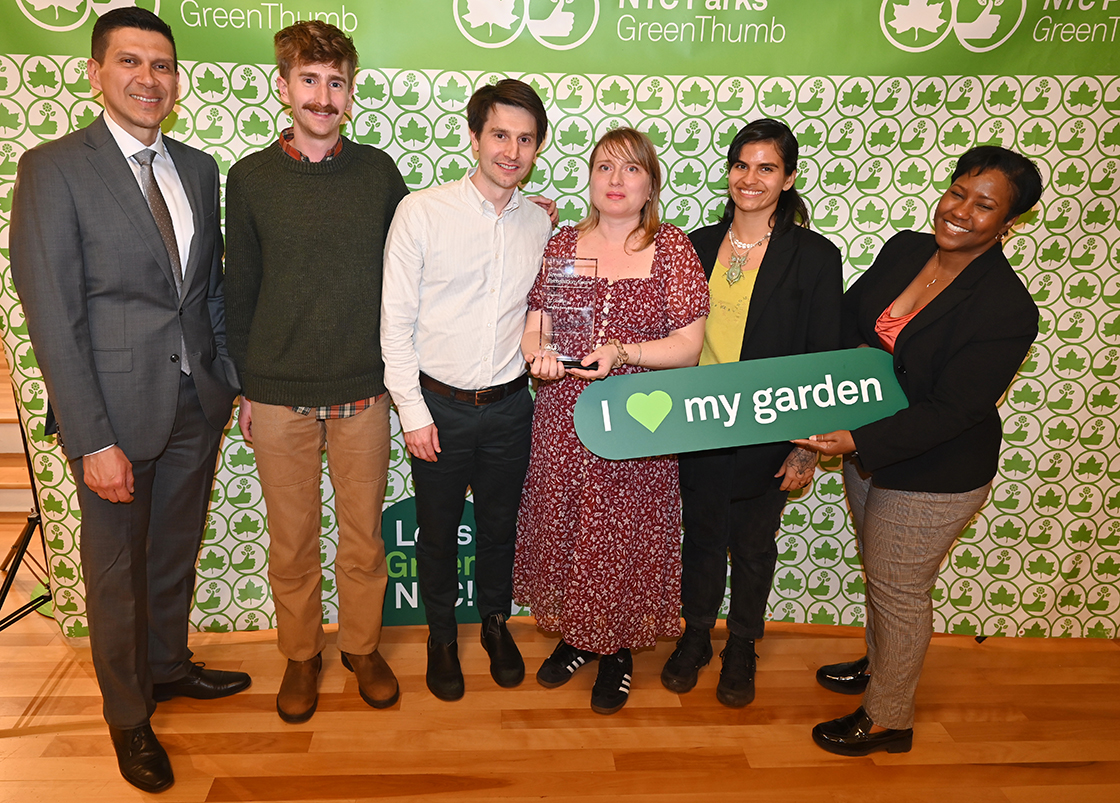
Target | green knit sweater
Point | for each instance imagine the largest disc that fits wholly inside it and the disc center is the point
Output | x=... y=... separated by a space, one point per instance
x=304 y=246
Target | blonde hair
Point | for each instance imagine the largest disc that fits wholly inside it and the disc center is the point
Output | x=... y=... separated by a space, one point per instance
x=634 y=147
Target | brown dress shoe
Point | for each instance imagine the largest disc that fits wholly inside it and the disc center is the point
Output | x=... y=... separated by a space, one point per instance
x=376 y=682
x=299 y=690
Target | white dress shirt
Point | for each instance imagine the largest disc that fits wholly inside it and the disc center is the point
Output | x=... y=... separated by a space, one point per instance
x=457 y=277
x=167 y=177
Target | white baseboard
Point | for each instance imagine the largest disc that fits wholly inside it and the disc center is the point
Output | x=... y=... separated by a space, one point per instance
x=15 y=500
x=10 y=441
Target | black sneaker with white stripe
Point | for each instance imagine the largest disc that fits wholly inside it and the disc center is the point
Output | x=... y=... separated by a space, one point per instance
x=559 y=667
x=612 y=686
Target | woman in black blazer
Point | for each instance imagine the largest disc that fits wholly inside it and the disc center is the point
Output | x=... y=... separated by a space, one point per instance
x=787 y=280
x=958 y=322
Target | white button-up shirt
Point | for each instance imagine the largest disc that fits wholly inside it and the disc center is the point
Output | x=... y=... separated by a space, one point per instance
x=167 y=177
x=457 y=276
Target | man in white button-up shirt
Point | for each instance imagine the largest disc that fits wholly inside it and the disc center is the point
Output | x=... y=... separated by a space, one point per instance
x=460 y=260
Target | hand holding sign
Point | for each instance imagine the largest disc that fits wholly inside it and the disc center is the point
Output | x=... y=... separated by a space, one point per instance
x=829 y=444
x=737 y=404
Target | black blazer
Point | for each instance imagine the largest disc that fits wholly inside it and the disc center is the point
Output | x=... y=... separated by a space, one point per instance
x=954 y=361
x=794 y=309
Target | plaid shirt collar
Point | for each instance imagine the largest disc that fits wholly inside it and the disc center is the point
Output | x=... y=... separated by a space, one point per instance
x=286 y=146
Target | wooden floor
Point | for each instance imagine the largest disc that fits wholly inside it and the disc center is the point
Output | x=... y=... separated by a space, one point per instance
x=1022 y=720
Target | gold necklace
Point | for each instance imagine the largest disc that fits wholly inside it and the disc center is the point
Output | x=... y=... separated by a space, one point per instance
x=740 y=252
x=933 y=281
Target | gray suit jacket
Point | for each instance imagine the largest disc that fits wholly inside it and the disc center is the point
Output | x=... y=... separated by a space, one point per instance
x=99 y=297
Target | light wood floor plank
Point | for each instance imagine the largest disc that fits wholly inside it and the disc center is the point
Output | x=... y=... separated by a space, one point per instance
x=110 y=790
x=1003 y=721
x=1071 y=731
x=1089 y=793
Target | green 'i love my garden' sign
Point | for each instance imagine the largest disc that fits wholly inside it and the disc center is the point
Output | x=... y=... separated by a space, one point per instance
x=736 y=404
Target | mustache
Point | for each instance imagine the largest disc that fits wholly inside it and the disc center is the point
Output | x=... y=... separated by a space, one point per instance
x=319 y=108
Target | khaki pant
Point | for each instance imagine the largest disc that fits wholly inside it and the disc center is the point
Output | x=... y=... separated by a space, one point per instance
x=288 y=448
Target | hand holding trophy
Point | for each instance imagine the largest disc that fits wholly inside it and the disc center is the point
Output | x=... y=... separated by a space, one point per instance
x=568 y=317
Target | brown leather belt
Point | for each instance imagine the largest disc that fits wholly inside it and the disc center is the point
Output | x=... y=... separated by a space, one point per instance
x=475 y=397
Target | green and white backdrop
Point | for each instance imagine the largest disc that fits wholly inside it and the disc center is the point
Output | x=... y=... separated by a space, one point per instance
x=883 y=96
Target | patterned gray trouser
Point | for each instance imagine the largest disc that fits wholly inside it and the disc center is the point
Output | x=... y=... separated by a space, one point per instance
x=903 y=536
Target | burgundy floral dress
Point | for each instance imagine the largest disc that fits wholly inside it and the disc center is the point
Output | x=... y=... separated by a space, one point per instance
x=598 y=541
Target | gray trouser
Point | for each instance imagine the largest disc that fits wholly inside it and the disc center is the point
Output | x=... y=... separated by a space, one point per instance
x=903 y=536
x=138 y=562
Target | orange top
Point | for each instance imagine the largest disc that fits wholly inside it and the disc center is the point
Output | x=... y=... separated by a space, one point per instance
x=888 y=328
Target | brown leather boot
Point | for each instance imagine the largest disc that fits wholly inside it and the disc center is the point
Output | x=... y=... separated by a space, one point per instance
x=299 y=690
x=376 y=682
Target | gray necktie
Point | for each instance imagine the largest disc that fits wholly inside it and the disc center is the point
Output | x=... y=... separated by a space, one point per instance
x=166 y=229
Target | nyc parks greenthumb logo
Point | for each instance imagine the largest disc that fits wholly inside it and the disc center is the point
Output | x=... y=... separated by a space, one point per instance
x=67 y=15
x=979 y=25
x=736 y=404
x=556 y=24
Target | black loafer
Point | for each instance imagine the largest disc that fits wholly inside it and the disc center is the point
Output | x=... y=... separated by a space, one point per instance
x=507 y=667
x=444 y=676
x=852 y=736
x=202 y=684
x=142 y=760
x=849 y=677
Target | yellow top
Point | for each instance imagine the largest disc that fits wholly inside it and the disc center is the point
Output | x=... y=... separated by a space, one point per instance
x=723 y=334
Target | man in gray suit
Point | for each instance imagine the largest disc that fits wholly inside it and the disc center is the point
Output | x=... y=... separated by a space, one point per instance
x=116 y=255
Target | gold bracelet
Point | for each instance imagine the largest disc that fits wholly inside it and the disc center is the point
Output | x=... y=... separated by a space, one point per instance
x=622 y=355
x=638 y=361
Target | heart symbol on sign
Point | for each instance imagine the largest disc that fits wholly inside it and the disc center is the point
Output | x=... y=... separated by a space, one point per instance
x=649 y=411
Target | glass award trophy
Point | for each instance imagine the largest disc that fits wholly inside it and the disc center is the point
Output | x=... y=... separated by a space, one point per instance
x=568 y=314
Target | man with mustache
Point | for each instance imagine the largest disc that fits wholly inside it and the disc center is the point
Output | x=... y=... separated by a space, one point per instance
x=306 y=220
x=459 y=264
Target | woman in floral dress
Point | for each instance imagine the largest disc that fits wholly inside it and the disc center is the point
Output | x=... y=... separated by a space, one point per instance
x=598 y=541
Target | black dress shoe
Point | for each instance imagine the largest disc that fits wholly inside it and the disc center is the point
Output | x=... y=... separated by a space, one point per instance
x=507 y=667
x=444 y=676
x=202 y=684
x=141 y=758
x=852 y=736
x=849 y=677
